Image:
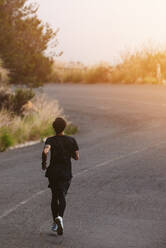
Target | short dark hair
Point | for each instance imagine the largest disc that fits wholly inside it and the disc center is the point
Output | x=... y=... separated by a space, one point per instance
x=59 y=125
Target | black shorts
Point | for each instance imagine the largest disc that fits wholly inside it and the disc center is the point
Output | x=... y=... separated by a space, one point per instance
x=59 y=185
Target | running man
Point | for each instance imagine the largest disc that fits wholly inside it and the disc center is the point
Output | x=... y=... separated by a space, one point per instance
x=59 y=171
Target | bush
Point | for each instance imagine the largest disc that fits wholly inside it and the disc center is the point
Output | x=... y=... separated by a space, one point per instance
x=136 y=67
x=71 y=129
x=54 y=77
x=6 y=139
x=19 y=99
x=98 y=74
x=5 y=97
x=14 y=102
x=34 y=125
x=94 y=74
x=72 y=76
x=140 y=67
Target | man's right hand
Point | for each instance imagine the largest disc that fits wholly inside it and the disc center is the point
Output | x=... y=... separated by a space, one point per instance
x=75 y=155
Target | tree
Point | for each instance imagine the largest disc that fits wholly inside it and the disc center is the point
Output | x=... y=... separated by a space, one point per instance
x=23 y=42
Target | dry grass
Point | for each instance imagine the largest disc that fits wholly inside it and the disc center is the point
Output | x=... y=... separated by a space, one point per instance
x=5 y=118
x=93 y=74
x=140 y=67
x=97 y=74
x=136 y=67
x=36 y=123
x=3 y=74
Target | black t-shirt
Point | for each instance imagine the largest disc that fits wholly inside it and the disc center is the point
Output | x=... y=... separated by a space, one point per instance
x=62 y=150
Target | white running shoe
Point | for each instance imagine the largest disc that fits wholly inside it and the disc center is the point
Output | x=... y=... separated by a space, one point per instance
x=54 y=227
x=59 y=222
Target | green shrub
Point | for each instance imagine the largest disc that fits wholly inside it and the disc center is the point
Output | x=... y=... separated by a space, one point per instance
x=46 y=131
x=71 y=129
x=6 y=139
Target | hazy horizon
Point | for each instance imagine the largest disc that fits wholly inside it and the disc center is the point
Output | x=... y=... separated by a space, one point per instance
x=99 y=30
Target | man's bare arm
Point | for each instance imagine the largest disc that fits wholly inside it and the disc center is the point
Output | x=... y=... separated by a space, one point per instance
x=44 y=156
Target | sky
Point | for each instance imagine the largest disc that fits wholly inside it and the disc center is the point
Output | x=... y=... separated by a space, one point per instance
x=93 y=31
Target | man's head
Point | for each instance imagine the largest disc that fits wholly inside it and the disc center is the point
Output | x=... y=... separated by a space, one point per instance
x=59 y=125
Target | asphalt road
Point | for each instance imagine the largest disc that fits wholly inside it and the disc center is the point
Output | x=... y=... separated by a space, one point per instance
x=118 y=194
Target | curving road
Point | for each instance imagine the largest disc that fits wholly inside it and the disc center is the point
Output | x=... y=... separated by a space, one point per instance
x=118 y=195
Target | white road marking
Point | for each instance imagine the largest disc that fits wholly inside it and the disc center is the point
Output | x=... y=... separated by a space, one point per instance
x=7 y=212
x=11 y=210
x=120 y=158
